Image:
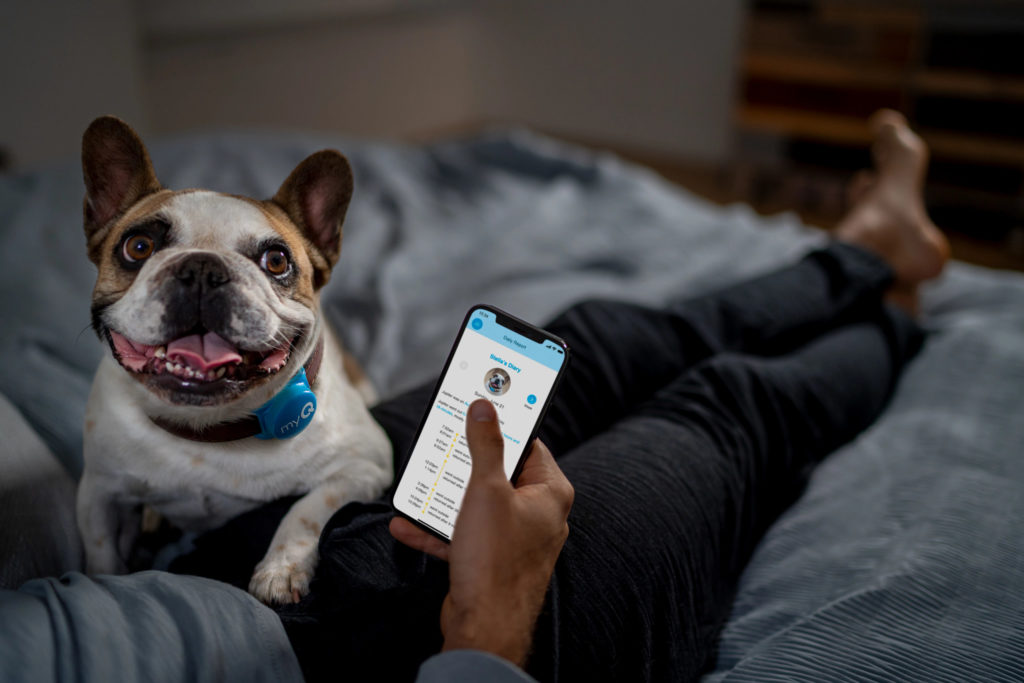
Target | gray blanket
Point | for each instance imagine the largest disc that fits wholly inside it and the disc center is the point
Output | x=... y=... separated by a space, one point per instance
x=902 y=560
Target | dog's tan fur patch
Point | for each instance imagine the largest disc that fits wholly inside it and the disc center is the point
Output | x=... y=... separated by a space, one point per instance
x=309 y=525
x=299 y=245
x=112 y=279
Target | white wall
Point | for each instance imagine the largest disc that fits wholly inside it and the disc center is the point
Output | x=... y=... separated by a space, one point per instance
x=397 y=75
x=62 y=63
x=649 y=75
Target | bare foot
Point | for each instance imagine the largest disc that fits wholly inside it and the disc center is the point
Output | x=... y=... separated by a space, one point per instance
x=888 y=216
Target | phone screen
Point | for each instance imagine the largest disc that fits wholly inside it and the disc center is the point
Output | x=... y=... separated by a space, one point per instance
x=498 y=357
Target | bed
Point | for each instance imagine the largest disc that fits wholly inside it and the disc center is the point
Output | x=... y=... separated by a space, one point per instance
x=903 y=559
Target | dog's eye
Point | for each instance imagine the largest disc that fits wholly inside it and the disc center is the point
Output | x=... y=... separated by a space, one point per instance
x=138 y=248
x=275 y=262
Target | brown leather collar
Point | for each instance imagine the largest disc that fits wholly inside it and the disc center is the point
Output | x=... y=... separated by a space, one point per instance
x=239 y=429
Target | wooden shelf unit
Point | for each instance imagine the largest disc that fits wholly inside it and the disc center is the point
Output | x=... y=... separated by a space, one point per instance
x=814 y=70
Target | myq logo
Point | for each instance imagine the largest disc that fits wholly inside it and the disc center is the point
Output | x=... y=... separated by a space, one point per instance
x=304 y=415
x=289 y=412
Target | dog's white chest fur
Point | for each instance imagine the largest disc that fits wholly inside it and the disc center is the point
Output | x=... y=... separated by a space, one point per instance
x=342 y=455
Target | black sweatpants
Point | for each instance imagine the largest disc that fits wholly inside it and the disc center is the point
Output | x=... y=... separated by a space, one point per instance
x=685 y=432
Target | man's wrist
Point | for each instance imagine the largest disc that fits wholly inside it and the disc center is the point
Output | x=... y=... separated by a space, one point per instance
x=508 y=634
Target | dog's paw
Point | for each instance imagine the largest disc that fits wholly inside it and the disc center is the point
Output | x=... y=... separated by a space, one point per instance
x=283 y=577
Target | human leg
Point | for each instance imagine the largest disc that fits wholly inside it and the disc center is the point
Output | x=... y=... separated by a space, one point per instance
x=886 y=246
x=671 y=501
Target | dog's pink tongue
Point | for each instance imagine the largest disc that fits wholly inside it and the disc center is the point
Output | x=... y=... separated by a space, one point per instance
x=205 y=353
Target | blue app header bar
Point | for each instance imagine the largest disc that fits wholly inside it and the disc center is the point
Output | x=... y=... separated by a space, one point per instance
x=547 y=353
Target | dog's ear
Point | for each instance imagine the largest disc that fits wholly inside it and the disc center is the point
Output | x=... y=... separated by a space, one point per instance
x=117 y=173
x=316 y=196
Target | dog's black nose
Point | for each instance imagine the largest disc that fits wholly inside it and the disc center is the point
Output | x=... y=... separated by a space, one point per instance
x=205 y=270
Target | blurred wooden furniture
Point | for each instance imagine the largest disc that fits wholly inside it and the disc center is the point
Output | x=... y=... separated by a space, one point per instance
x=814 y=70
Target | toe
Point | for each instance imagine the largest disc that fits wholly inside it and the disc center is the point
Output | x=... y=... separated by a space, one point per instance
x=886 y=118
x=899 y=154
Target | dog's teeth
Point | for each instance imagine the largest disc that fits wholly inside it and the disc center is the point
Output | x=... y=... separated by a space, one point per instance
x=172 y=367
x=220 y=371
x=160 y=352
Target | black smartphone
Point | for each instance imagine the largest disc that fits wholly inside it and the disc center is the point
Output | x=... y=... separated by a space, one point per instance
x=503 y=359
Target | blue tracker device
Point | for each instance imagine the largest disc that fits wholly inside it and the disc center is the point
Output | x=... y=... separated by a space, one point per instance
x=289 y=412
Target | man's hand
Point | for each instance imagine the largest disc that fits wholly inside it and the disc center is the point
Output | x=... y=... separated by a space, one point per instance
x=504 y=545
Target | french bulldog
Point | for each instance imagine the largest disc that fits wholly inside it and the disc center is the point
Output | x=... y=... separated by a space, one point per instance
x=217 y=351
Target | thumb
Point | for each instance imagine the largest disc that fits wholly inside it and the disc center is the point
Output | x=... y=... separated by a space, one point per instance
x=486 y=444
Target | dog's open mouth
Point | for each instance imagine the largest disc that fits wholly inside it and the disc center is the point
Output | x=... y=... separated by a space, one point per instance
x=198 y=359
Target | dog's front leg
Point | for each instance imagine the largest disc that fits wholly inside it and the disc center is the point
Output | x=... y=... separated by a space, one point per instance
x=100 y=524
x=284 y=573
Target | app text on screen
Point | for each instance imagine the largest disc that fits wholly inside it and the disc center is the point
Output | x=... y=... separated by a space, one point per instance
x=512 y=371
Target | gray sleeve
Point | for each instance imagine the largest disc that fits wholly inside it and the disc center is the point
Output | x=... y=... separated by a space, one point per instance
x=149 y=626
x=460 y=666
x=38 y=536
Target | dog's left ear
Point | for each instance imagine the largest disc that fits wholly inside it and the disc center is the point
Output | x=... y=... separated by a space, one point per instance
x=117 y=173
x=316 y=197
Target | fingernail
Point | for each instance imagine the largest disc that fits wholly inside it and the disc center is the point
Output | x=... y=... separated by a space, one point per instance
x=481 y=411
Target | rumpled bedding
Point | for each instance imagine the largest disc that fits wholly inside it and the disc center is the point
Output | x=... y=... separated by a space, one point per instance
x=901 y=561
